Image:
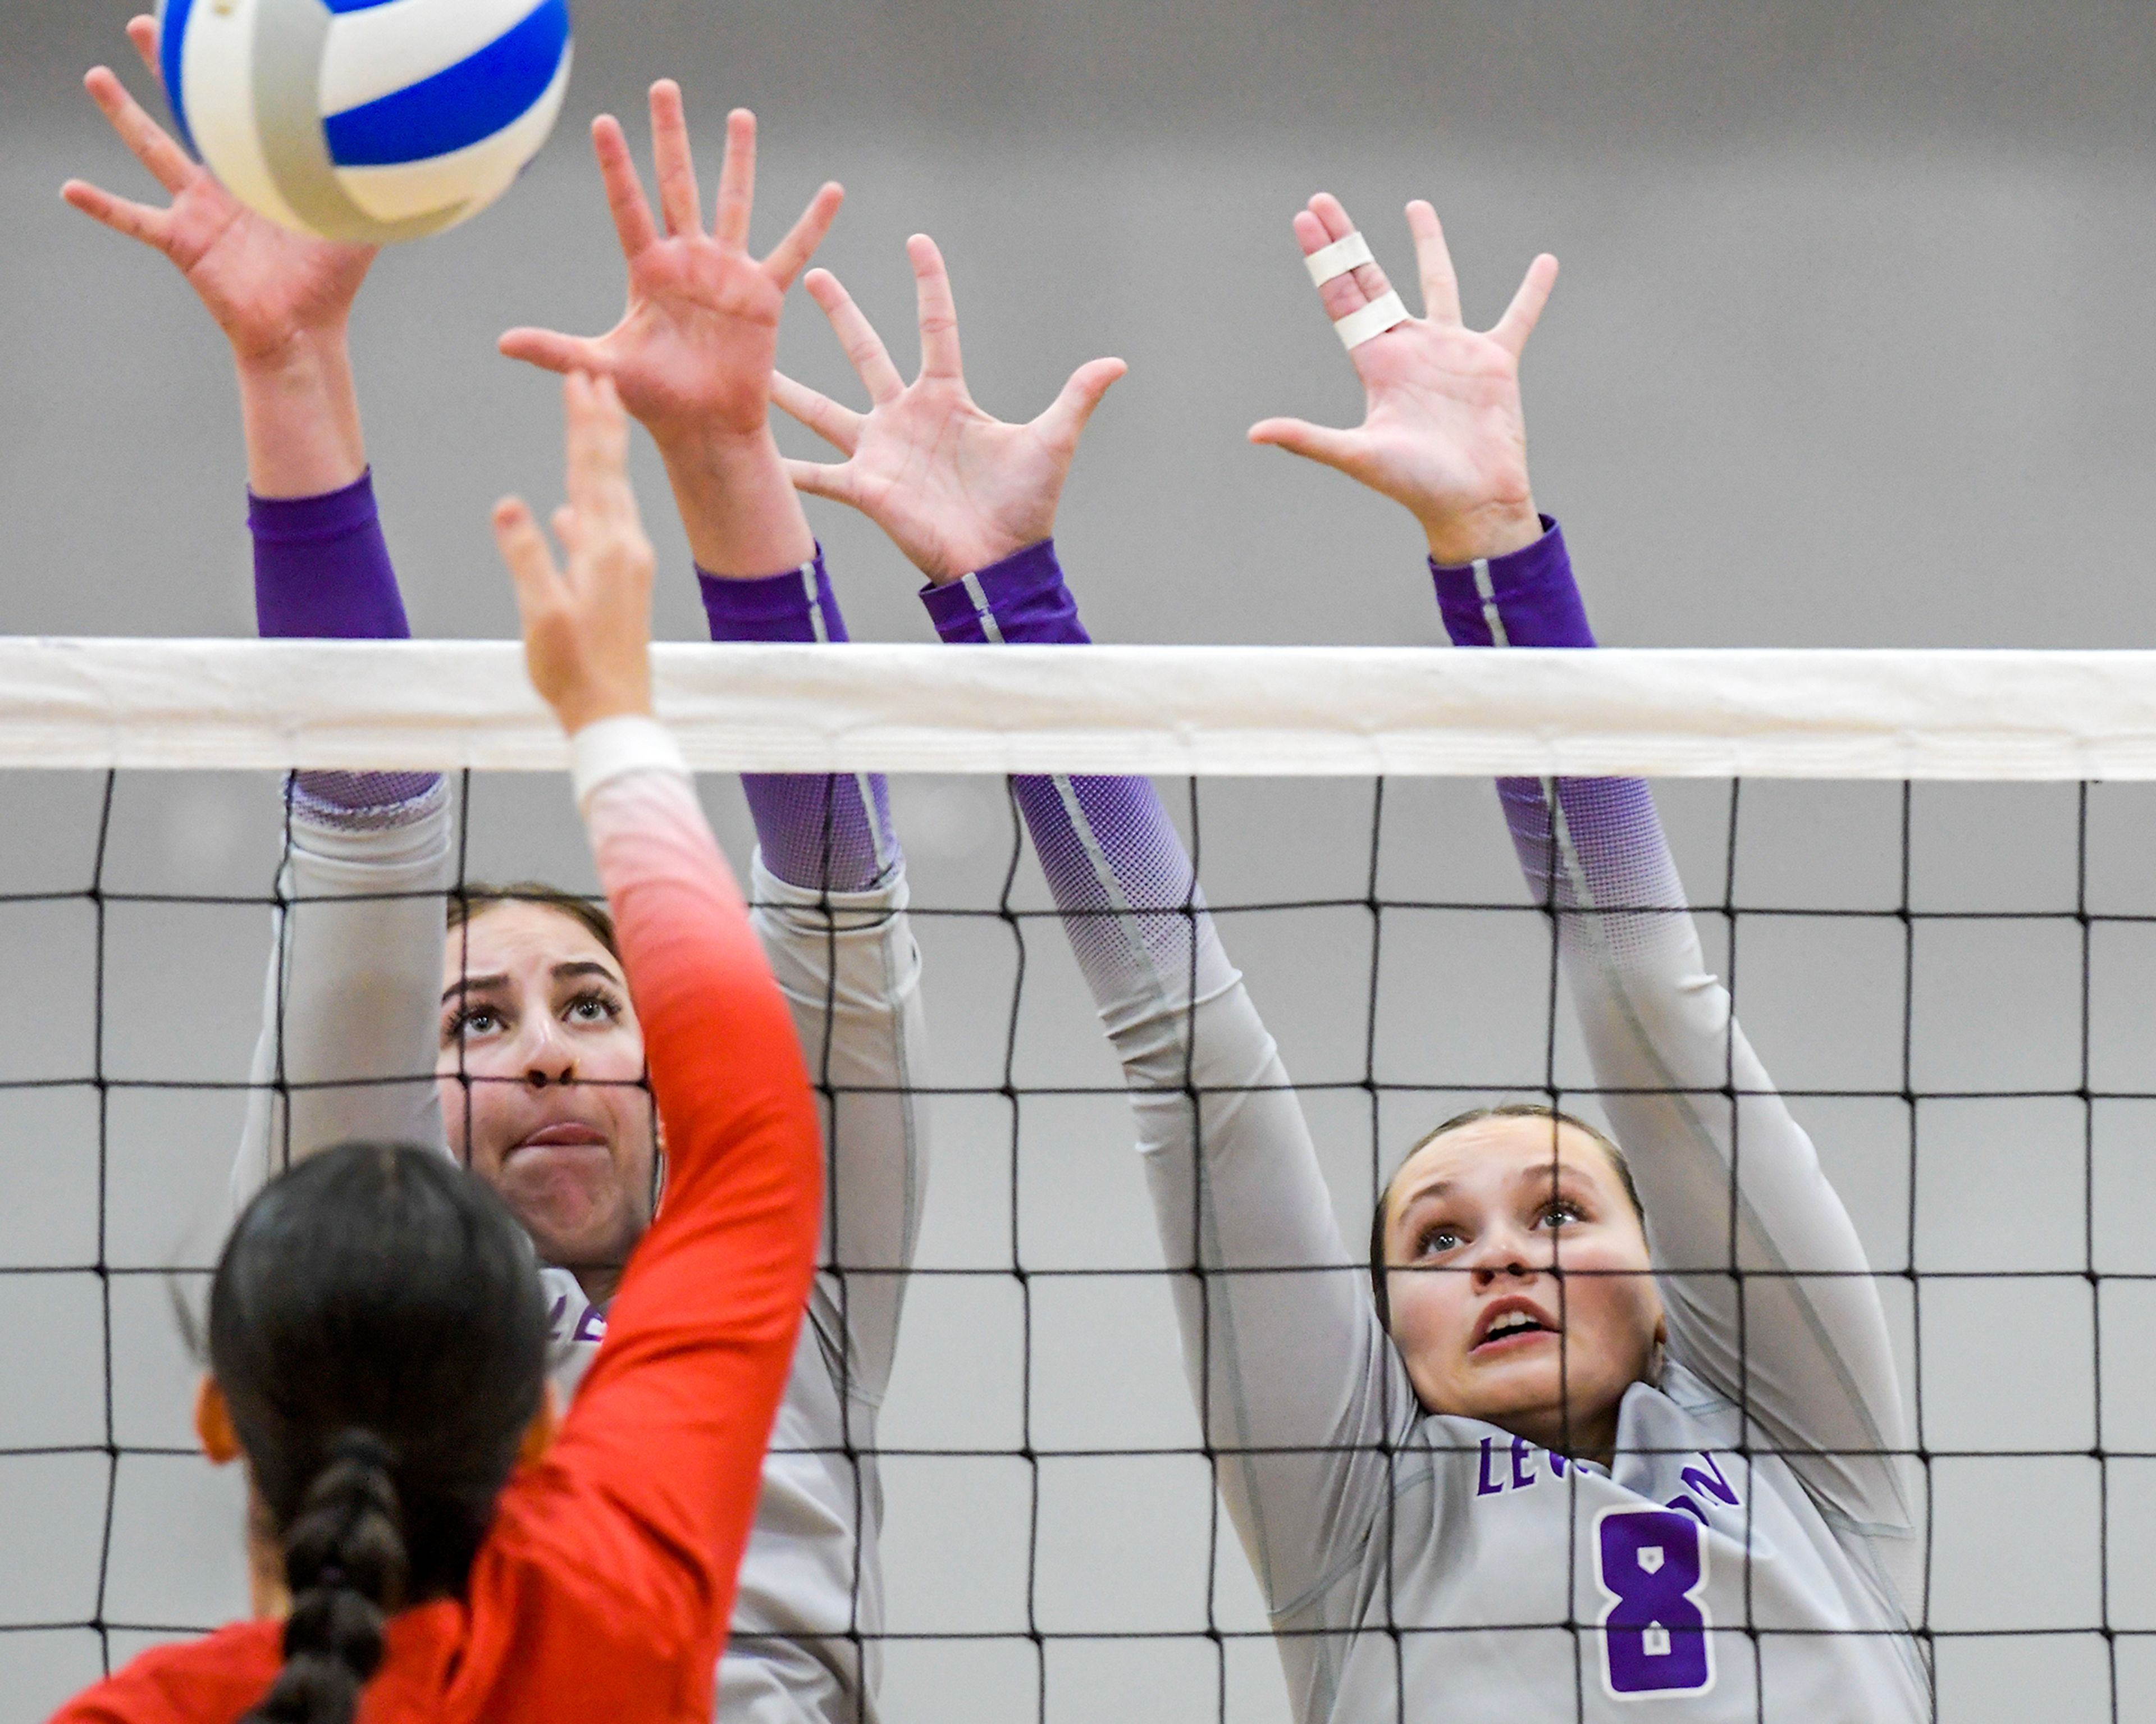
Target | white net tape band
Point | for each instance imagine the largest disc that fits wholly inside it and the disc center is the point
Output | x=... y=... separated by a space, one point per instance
x=1284 y=711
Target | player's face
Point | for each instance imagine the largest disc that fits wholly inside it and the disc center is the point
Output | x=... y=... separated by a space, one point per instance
x=541 y=1059
x=1480 y=1221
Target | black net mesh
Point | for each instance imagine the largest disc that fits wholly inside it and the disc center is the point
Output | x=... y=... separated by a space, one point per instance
x=1947 y=983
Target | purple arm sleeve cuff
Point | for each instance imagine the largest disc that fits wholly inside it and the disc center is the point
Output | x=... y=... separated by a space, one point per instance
x=828 y=832
x=1528 y=598
x=795 y=605
x=322 y=573
x=1021 y=598
x=322 y=569
x=1079 y=826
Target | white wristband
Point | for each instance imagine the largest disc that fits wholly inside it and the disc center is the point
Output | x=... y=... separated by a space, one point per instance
x=612 y=747
x=1338 y=258
x=1382 y=313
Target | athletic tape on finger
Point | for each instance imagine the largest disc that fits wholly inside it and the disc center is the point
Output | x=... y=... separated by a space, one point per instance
x=1384 y=312
x=1330 y=262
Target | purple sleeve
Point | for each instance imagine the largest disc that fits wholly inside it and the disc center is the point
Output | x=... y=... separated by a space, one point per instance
x=322 y=573
x=322 y=569
x=1112 y=856
x=1021 y=598
x=827 y=832
x=1530 y=599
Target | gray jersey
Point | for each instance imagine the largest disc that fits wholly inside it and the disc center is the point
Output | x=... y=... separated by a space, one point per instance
x=1427 y=1567
x=348 y=1047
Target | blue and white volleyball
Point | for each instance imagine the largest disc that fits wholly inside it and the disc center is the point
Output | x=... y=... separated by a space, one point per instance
x=366 y=120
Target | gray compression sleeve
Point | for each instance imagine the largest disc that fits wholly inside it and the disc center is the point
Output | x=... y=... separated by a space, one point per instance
x=349 y=1008
x=852 y=975
x=1797 y=1335
x=1298 y=1388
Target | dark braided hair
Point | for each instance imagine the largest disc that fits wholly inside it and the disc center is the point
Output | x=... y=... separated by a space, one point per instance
x=377 y=1328
x=345 y=1562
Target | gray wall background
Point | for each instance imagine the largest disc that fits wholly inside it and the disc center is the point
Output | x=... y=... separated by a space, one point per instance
x=1851 y=347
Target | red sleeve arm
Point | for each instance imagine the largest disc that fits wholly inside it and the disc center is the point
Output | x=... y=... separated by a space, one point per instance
x=652 y=1485
x=607 y=1581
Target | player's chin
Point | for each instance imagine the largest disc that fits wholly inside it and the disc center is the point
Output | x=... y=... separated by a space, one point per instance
x=591 y=1242
x=577 y=1217
x=1522 y=1379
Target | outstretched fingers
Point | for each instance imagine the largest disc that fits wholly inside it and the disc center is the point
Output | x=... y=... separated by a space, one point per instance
x=833 y=482
x=1518 y=323
x=864 y=347
x=586 y=625
x=1343 y=450
x=568 y=525
x=839 y=426
x=1325 y=221
x=1065 y=418
x=142 y=32
x=137 y=221
x=624 y=192
x=152 y=146
x=1440 y=284
x=531 y=564
x=679 y=202
x=550 y=350
x=799 y=245
x=939 y=311
x=737 y=181
x=599 y=490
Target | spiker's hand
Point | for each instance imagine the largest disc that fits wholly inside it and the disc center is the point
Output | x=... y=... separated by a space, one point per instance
x=586 y=625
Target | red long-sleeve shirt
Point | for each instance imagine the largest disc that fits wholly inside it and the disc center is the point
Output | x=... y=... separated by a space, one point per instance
x=604 y=1584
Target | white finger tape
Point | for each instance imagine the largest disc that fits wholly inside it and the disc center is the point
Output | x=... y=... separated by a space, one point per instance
x=1382 y=313
x=1336 y=259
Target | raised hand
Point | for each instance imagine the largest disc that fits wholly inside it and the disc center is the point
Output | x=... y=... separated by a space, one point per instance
x=1442 y=431
x=586 y=626
x=267 y=287
x=955 y=489
x=283 y=300
x=692 y=354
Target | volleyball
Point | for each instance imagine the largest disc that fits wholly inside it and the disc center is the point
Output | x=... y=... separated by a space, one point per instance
x=367 y=120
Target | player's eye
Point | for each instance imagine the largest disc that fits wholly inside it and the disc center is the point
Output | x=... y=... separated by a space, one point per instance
x=1562 y=1213
x=1435 y=1241
x=471 y=1021
x=595 y=1006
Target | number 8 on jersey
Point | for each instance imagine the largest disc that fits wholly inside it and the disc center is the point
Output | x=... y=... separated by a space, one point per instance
x=1651 y=1566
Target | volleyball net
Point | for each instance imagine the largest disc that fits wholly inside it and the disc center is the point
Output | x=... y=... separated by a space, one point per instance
x=1928 y=880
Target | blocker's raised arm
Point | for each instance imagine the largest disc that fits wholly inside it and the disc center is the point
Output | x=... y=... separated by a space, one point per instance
x=1298 y=1387
x=1730 y=1179
x=346 y=1048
